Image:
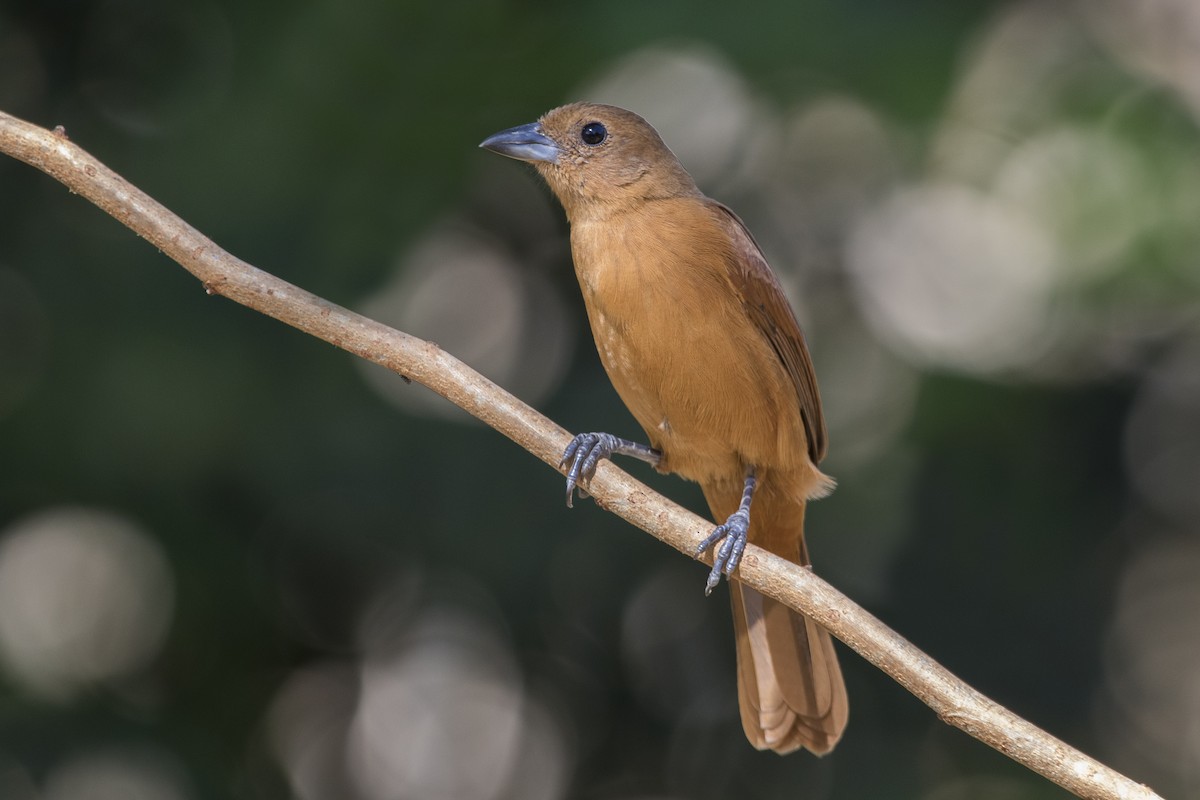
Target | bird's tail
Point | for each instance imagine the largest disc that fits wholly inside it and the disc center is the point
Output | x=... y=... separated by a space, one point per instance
x=790 y=686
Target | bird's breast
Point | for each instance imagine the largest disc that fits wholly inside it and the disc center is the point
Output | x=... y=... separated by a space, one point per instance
x=677 y=344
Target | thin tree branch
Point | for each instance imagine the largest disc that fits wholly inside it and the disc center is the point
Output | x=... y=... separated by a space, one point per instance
x=953 y=700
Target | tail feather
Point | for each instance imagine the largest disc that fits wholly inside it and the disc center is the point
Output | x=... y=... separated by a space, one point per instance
x=790 y=687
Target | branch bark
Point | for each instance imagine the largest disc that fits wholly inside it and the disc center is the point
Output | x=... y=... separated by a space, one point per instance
x=222 y=274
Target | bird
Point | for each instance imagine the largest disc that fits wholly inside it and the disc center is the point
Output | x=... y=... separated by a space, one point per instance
x=700 y=343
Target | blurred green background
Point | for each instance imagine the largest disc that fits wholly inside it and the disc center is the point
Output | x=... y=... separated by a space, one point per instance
x=236 y=563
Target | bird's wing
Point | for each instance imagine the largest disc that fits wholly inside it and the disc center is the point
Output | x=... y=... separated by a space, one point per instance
x=767 y=305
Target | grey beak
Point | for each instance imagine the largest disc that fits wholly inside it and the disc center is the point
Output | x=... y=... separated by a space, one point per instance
x=524 y=142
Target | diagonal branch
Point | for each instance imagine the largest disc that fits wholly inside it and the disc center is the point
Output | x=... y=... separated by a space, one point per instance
x=221 y=273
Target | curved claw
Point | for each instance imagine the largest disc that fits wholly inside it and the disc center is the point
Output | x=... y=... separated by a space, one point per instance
x=732 y=535
x=584 y=454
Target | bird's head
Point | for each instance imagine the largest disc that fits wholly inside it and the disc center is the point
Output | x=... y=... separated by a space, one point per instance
x=596 y=158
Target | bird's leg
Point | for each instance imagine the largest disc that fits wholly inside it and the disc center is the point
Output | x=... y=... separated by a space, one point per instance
x=732 y=535
x=584 y=454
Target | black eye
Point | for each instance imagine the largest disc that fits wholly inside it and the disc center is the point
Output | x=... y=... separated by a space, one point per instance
x=593 y=133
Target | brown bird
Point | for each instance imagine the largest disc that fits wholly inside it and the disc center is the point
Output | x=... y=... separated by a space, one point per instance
x=698 y=338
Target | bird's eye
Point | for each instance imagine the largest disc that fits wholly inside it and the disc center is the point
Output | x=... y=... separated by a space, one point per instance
x=593 y=133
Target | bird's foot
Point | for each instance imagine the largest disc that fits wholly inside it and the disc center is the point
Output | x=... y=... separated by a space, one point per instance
x=732 y=535
x=585 y=452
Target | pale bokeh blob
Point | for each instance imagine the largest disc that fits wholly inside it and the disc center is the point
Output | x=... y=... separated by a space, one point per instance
x=86 y=597
x=949 y=275
x=434 y=706
x=465 y=293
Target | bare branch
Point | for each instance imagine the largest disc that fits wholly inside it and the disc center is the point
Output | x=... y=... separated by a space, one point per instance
x=953 y=700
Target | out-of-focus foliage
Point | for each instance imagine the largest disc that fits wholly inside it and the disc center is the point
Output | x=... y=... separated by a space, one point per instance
x=236 y=563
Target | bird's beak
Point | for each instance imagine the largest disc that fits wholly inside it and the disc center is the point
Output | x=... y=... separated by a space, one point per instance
x=524 y=142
